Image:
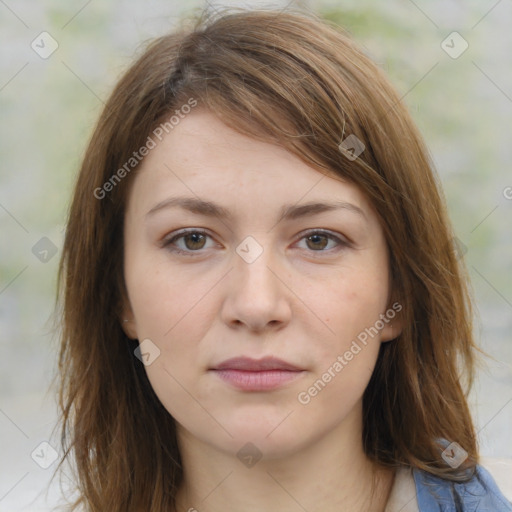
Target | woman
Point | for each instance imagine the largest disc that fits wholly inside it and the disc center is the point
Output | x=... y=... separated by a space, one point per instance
x=262 y=307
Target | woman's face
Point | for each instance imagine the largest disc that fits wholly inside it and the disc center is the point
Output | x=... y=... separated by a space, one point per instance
x=267 y=270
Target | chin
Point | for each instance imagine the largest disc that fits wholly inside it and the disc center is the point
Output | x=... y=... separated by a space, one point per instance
x=260 y=445
x=274 y=433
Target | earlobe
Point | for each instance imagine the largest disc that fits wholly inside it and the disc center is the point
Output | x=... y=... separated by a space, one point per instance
x=391 y=331
x=393 y=322
x=127 y=321
x=392 y=328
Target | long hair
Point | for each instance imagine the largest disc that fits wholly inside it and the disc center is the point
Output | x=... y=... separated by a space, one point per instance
x=300 y=82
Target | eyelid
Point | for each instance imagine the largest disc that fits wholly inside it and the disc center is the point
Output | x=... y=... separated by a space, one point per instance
x=330 y=234
x=175 y=235
x=341 y=240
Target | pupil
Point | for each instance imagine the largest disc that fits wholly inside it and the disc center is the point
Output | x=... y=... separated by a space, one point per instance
x=316 y=237
x=194 y=237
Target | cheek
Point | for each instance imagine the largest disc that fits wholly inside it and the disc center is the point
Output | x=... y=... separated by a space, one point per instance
x=349 y=304
x=165 y=302
x=346 y=357
x=174 y=312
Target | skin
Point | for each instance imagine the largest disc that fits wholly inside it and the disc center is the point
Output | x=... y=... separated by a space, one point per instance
x=302 y=300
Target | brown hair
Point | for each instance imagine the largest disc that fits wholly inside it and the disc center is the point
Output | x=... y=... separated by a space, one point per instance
x=294 y=80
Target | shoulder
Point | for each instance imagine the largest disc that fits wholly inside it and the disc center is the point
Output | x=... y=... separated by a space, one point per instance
x=480 y=493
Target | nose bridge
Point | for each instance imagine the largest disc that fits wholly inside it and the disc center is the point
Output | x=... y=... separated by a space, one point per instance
x=256 y=295
x=253 y=262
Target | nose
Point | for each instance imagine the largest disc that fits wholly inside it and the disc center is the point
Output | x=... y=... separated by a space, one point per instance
x=257 y=294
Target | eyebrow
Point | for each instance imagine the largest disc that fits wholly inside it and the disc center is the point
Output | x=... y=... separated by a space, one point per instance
x=287 y=212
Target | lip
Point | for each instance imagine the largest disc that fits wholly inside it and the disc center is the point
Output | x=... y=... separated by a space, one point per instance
x=264 y=374
x=256 y=365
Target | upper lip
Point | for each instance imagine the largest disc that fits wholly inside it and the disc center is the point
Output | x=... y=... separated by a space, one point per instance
x=254 y=365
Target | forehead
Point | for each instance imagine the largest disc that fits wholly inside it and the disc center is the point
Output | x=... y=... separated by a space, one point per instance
x=203 y=157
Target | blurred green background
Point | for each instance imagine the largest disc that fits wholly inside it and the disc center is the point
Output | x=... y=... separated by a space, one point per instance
x=463 y=106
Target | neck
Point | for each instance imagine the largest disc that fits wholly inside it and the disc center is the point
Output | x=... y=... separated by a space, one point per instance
x=333 y=473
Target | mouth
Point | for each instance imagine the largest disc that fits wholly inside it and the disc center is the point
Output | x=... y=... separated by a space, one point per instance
x=265 y=374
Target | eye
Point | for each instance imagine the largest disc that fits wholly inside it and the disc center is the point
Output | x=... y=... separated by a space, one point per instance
x=194 y=240
x=319 y=240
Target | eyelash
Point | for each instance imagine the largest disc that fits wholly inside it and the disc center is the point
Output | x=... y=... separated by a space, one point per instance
x=169 y=241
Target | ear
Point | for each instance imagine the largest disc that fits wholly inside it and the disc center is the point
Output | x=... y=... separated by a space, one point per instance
x=127 y=321
x=393 y=323
x=391 y=331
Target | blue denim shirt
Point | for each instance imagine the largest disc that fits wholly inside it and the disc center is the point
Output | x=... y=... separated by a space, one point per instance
x=480 y=494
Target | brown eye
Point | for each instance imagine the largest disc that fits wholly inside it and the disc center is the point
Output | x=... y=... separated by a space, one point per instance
x=192 y=241
x=319 y=241
x=196 y=240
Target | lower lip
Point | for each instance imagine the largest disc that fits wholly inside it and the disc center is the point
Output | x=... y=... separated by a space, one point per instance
x=258 y=381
